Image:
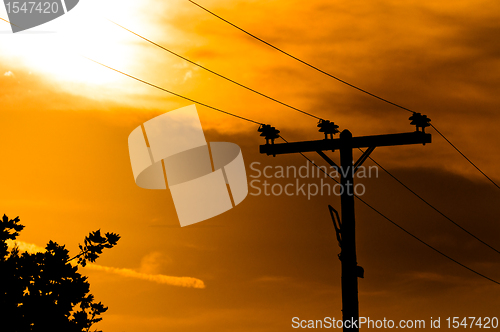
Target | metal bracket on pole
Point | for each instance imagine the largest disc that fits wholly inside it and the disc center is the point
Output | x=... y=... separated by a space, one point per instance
x=337 y=224
x=363 y=157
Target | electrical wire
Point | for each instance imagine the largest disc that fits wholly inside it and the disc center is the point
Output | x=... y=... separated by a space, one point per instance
x=173 y=93
x=256 y=122
x=298 y=59
x=463 y=155
x=401 y=227
x=338 y=79
x=241 y=85
x=430 y=205
x=425 y=243
x=8 y=22
x=215 y=73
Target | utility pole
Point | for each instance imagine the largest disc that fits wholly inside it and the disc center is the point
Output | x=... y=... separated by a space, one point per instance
x=346 y=226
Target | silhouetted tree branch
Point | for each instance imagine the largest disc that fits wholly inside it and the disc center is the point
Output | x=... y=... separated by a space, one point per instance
x=94 y=243
x=43 y=291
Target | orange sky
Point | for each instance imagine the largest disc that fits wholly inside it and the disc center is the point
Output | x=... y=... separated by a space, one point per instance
x=66 y=169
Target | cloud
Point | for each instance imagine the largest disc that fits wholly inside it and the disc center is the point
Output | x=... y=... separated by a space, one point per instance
x=23 y=246
x=149 y=263
x=8 y=74
x=187 y=76
x=158 y=278
x=152 y=262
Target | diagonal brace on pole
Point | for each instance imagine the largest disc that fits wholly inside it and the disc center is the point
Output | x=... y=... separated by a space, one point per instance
x=328 y=160
x=363 y=157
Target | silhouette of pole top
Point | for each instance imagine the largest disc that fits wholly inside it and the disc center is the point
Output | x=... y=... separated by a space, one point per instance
x=345 y=134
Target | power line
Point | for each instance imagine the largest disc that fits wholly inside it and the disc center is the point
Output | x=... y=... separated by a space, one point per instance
x=261 y=94
x=282 y=103
x=340 y=80
x=298 y=59
x=431 y=206
x=8 y=22
x=256 y=122
x=400 y=227
x=215 y=73
x=173 y=93
x=463 y=155
x=241 y=85
x=425 y=243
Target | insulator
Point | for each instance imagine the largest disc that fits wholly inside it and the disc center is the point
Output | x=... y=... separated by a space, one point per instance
x=268 y=132
x=328 y=128
x=420 y=121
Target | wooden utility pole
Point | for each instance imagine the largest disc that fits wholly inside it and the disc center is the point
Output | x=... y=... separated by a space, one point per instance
x=350 y=306
x=346 y=228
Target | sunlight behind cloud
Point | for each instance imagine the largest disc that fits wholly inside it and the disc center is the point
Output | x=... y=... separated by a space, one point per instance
x=59 y=48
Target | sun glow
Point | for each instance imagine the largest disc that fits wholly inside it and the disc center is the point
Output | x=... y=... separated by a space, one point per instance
x=59 y=49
